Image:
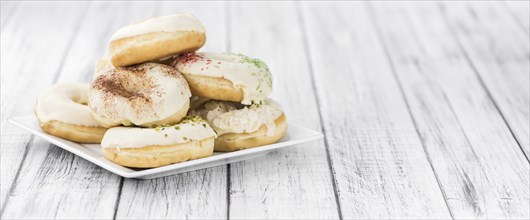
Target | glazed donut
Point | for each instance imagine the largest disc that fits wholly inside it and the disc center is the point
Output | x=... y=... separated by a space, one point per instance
x=190 y=139
x=62 y=111
x=103 y=65
x=145 y=95
x=241 y=127
x=226 y=76
x=196 y=101
x=156 y=38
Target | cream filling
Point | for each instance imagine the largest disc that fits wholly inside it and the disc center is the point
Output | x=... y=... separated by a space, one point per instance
x=170 y=94
x=250 y=75
x=226 y=117
x=135 y=137
x=62 y=102
x=168 y=23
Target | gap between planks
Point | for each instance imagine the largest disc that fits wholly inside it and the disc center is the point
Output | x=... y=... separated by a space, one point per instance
x=480 y=77
x=56 y=74
x=407 y=104
x=251 y=190
x=303 y=28
x=228 y=16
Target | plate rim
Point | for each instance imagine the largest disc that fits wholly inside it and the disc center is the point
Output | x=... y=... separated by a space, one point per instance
x=16 y=120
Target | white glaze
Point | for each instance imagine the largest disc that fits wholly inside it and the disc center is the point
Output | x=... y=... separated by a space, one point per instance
x=62 y=102
x=168 y=23
x=134 y=137
x=169 y=94
x=251 y=75
x=103 y=65
x=226 y=117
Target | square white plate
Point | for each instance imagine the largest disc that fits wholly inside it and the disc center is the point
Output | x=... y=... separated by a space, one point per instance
x=92 y=152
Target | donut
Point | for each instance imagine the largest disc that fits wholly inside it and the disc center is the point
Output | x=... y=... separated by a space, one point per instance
x=146 y=95
x=226 y=76
x=156 y=38
x=62 y=111
x=190 y=139
x=241 y=127
x=196 y=101
x=103 y=65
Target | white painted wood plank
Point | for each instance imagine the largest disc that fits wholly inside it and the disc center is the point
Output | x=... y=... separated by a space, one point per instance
x=42 y=189
x=199 y=194
x=380 y=165
x=499 y=51
x=479 y=165
x=92 y=41
x=520 y=10
x=61 y=185
x=29 y=65
x=294 y=183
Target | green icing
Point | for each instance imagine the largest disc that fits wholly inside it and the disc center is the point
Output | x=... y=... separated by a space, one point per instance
x=254 y=61
x=191 y=119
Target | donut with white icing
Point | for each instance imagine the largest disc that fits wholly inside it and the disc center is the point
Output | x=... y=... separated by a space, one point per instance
x=226 y=76
x=62 y=111
x=156 y=38
x=103 y=65
x=241 y=127
x=190 y=139
x=145 y=95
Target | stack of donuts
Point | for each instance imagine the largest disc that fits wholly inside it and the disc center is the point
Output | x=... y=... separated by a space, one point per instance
x=154 y=101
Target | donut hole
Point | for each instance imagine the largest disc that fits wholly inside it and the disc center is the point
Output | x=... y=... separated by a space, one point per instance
x=79 y=99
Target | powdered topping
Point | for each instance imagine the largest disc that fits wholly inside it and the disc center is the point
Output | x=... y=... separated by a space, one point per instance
x=250 y=74
x=138 y=94
x=190 y=129
x=188 y=58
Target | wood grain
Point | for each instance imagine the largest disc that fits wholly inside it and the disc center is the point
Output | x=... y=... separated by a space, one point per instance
x=460 y=127
x=294 y=183
x=97 y=187
x=92 y=41
x=425 y=108
x=28 y=65
x=199 y=194
x=42 y=186
x=520 y=11
x=499 y=51
x=380 y=165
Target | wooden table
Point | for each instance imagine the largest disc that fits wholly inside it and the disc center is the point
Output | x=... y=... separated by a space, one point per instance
x=424 y=107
